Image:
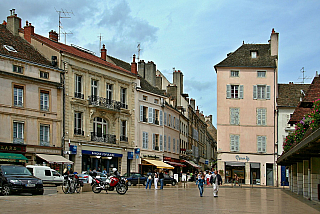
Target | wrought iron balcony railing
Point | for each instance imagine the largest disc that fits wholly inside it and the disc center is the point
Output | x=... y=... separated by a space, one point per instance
x=124 y=138
x=105 y=138
x=104 y=102
x=18 y=140
x=44 y=143
x=123 y=105
x=78 y=95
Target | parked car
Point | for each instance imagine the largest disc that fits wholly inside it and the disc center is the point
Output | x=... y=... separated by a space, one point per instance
x=18 y=179
x=85 y=177
x=46 y=174
x=134 y=177
x=168 y=180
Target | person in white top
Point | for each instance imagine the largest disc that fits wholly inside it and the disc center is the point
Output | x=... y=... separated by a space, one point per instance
x=156 y=178
x=208 y=175
x=215 y=180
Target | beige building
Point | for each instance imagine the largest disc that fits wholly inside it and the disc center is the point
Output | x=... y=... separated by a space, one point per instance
x=246 y=121
x=98 y=105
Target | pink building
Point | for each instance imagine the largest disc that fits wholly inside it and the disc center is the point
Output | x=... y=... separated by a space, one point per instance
x=246 y=104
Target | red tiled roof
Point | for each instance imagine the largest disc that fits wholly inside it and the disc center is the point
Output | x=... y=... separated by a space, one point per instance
x=76 y=52
x=289 y=94
x=314 y=91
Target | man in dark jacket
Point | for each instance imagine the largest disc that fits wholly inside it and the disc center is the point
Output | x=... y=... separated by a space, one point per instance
x=215 y=180
x=161 y=178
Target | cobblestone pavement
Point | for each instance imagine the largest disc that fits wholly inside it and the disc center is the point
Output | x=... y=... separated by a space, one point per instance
x=170 y=200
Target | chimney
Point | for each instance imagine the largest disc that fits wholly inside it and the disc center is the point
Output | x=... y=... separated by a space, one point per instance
x=104 y=52
x=150 y=73
x=197 y=111
x=193 y=103
x=159 y=82
x=141 y=68
x=274 y=43
x=13 y=23
x=28 y=31
x=133 y=65
x=53 y=36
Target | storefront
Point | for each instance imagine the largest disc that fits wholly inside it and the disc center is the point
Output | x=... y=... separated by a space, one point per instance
x=234 y=168
x=12 y=154
x=153 y=165
x=176 y=163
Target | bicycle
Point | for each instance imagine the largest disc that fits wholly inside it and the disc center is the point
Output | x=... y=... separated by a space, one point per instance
x=71 y=184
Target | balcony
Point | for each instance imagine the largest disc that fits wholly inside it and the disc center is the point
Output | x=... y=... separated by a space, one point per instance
x=18 y=140
x=104 y=102
x=78 y=132
x=78 y=95
x=106 y=138
x=44 y=143
x=123 y=138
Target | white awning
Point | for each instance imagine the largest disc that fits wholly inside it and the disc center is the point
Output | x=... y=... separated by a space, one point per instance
x=54 y=159
x=192 y=164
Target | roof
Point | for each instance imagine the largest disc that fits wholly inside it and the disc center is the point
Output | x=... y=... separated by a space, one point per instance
x=306 y=104
x=146 y=86
x=289 y=94
x=120 y=63
x=242 y=57
x=63 y=48
x=24 y=50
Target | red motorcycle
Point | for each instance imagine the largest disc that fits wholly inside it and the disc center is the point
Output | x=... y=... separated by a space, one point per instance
x=110 y=183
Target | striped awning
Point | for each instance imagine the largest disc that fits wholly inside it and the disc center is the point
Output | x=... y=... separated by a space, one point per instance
x=159 y=164
x=54 y=159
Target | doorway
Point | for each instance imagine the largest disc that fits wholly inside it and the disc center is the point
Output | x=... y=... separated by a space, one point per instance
x=269 y=169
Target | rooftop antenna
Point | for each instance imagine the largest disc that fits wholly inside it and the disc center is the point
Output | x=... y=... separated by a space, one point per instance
x=139 y=49
x=62 y=14
x=100 y=37
x=303 y=78
x=65 y=36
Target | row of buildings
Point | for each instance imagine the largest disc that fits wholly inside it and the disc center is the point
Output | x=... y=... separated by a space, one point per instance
x=62 y=104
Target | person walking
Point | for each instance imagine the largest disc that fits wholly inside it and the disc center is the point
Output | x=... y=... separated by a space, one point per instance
x=208 y=175
x=215 y=180
x=200 y=183
x=236 y=180
x=149 y=179
x=161 y=178
x=156 y=178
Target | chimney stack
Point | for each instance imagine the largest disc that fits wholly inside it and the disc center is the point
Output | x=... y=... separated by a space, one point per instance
x=53 y=36
x=193 y=103
x=13 y=23
x=274 y=43
x=134 y=65
x=28 y=31
x=141 y=68
x=150 y=73
x=104 y=52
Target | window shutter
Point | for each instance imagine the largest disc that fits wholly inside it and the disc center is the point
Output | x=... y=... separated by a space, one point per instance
x=165 y=118
x=165 y=143
x=263 y=144
x=161 y=145
x=153 y=141
x=141 y=113
x=263 y=117
x=259 y=144
x=150 y=118
x=232 y=120
x=228 y=91
x=254 y=92
x=146 y=140
x=161 y=118
x=154 y=116
x=241 y=92
x=236 y=116
x=143 y=139
x=169 y=142
x=268 y=92
x=232 y=142
x=236 y=142
x=258 y=116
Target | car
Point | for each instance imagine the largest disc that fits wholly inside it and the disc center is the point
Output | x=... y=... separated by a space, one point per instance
x=18 y=179
x=85 y=176
x=133 y=178
x=168 y=180
x=46 y=174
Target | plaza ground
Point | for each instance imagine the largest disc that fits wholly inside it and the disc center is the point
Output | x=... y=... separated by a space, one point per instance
x=178 y=199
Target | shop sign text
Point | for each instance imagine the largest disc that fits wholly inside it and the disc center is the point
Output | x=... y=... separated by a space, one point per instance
x=238 y=158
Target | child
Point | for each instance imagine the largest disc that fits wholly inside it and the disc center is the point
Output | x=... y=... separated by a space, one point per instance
x=200 y=183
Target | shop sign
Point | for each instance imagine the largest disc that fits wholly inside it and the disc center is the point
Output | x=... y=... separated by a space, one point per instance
x=238 y=158
x=150 y=156
x=73 y=149
x=48 y=151
x=166 y=158
x=137 y=151
x=130 y=155
x=102 y=154
x=12 y=148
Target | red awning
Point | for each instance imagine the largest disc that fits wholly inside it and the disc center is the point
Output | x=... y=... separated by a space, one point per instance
x=175 y=164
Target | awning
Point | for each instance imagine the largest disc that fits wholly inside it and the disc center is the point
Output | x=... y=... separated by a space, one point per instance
x=54 y=159
x=12 y=157
x=193 y=164
x=159 y=164
x=235 y=163
x=175 y=164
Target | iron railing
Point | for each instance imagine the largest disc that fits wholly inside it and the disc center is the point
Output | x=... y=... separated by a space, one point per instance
x=104 y=138
x=104 y=102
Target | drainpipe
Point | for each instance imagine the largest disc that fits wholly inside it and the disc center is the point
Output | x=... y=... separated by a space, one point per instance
x=63 y=110
x=275 y=128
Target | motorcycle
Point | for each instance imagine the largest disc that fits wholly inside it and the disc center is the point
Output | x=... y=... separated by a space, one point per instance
x=111 y=183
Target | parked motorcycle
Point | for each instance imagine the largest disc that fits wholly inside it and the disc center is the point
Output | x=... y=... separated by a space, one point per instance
x=110 y=184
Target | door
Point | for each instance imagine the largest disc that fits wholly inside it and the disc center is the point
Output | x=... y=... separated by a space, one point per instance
x=57 y=178
x=269 y=174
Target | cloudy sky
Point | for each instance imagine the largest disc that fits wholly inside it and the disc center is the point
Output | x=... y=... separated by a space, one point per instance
x=191 y=36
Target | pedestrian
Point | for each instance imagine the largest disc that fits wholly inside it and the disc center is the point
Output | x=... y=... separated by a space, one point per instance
x=208 y=175
x=215 y=180
x=200 y=183
x=161 y=178
x=149 y=179
x=156 y=178
x=236 y=180
x=104 y=171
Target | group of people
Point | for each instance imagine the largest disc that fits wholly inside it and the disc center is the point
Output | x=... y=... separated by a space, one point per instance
x=209 y=178
x=156 y=176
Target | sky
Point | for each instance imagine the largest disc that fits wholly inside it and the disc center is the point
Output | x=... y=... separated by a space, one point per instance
x=191 y=36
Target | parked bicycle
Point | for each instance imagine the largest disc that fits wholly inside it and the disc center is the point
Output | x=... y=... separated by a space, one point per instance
x=71 y=184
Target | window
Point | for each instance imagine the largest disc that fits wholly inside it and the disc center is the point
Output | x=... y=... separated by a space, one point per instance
x=169 y=143
x=235 y=91
x=161 y=143
x=165 y=118
x=174 y=145
x=234 y=116
x=100 y=127
x=78 y=87
x=9 y=48
x=143 y=114
x=109 y=92
x=123 y=98
x=261 y=92
x=254 y=54
x=145 y=140
x=44 y=100
x=78 y=123
x=155 y=141
x=261 y=143
x=156 y=101
x=123 y=136
x=161 y=119
x=44 y=75
x=44 y=135
x=234 y=143
x=165 y=143
x=287 y=120
x=18 y=132
x=234 y=73
x=261 y=73
x=195 y=134
x=145 y=98
x=18 y=96
x=18 y=69
x=94 y=88
x=150 y=115
x=261 y=116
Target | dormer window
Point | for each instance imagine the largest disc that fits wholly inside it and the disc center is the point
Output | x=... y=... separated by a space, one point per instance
x=254 y=54
x=9 y=48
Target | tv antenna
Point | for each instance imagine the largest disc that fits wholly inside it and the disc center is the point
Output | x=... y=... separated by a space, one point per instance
x=65 y=36
x=62 y=14
x=139 y=49
x=303 y=78
x=100 y=37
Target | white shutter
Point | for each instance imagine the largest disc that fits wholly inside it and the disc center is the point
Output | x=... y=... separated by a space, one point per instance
x=143 y=139
x=174 y=145
x=263 y=144
x=141 y=113
x=241 y=92
x=268 y=92
x=232 y=121
x=232 y=143
x=165 y=118
x=228 y=91
x=150 y=118
x=236 y=142
x=259 y=144
x=154 y=116
x=161 y=145
x=258 y=116
x=165 y=143
x=161 y=118
x=153 y=141
x=254 y=92
x=263 y=117
x=146 y=140
x=169 y=142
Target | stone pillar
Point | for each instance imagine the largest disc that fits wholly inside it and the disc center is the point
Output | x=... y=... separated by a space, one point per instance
x=290 y=178
x=294 y=178
x=305 y=178
x=299 y=178
x=247 y=168
x=315 y=177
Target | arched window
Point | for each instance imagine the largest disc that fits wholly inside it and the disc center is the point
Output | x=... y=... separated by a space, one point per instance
x=100 y=126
